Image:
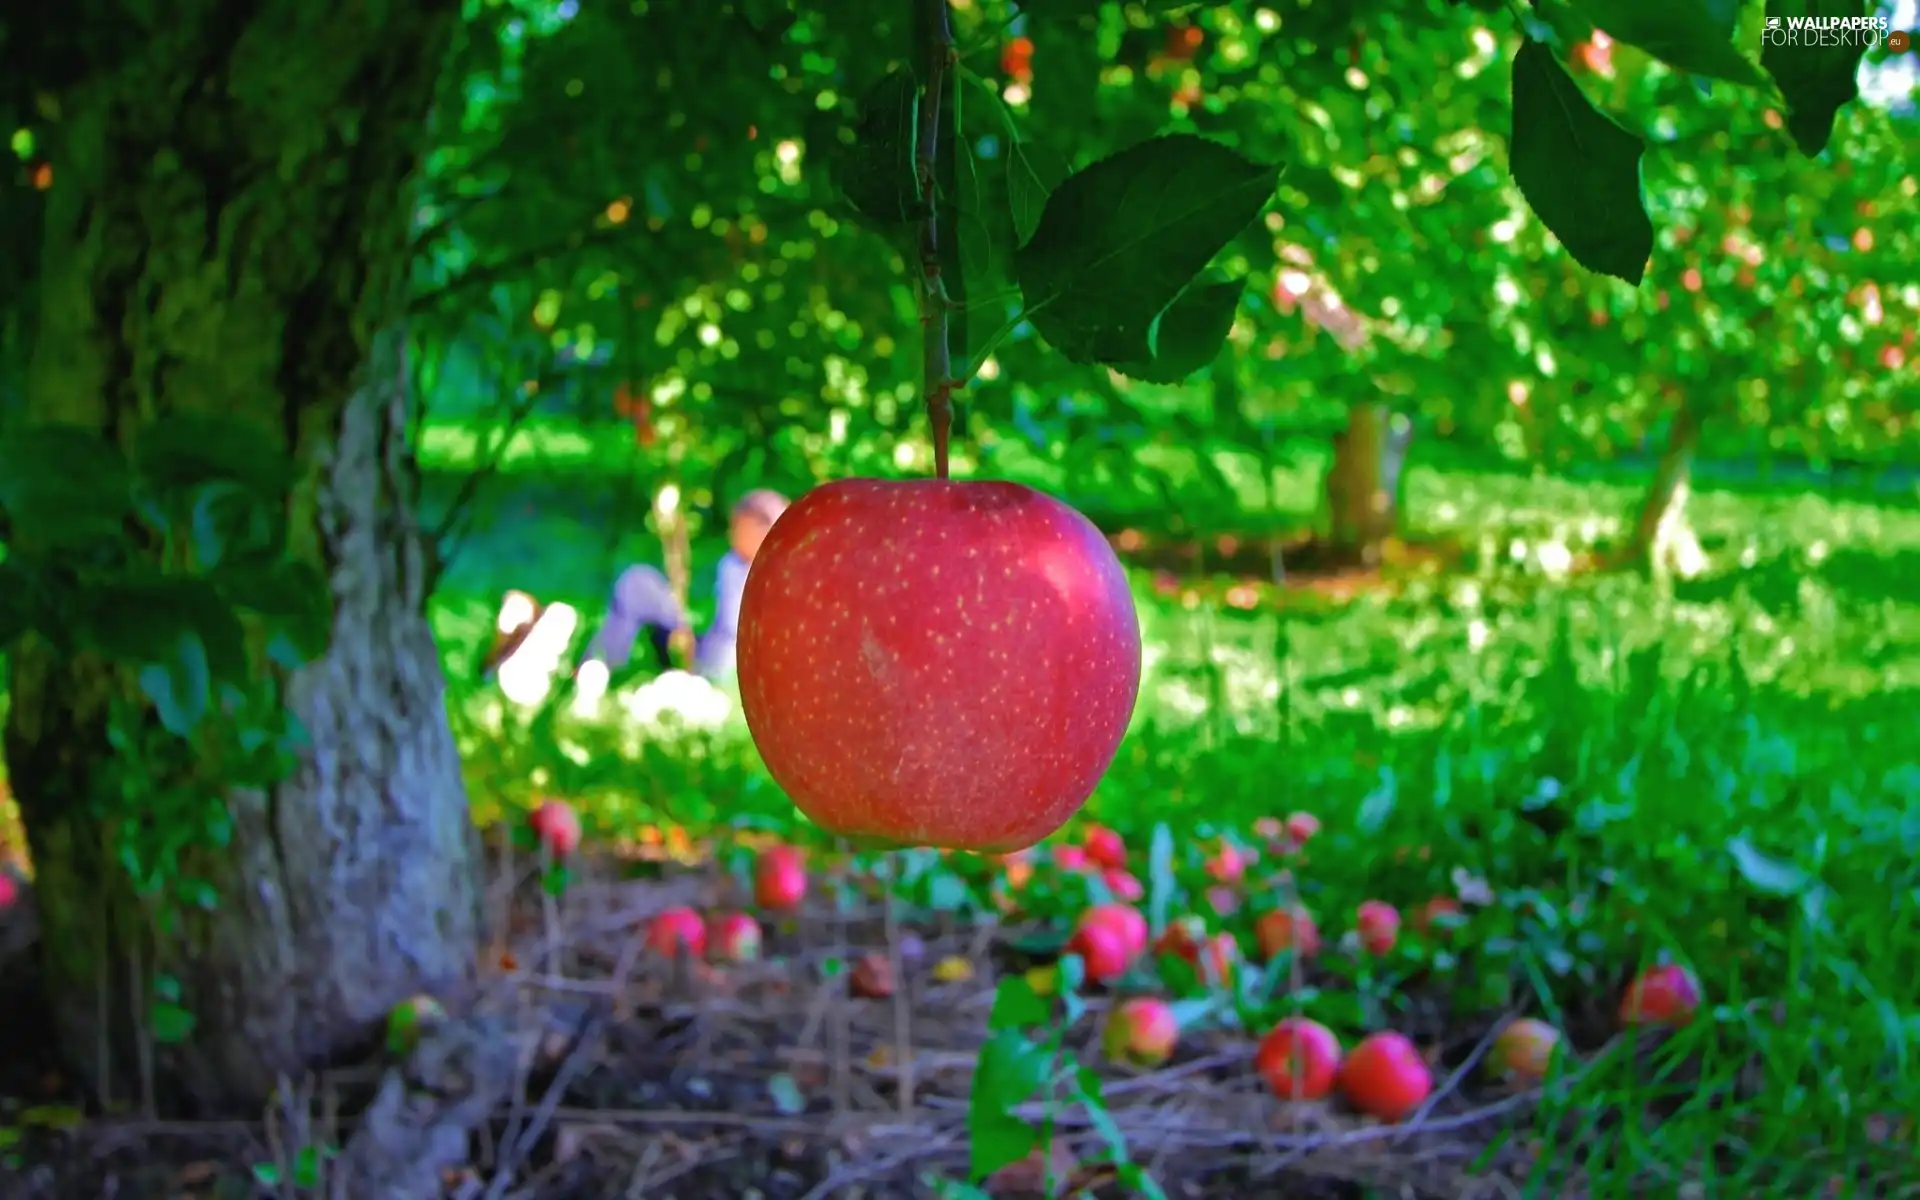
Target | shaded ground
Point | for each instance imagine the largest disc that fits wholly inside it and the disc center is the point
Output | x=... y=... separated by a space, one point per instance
x=643 y=1077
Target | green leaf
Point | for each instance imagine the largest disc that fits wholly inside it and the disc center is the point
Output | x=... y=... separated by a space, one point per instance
x=1764 y=873
x=293 y=599
x=180 y=685
x=138 y=619
x=63 y=486
x=554 y=882
x=1188 y=335
x=1579 y=171
x=183 y=451
x=1691 y=35
x=1160 y=882
x=170 y=1024
x=1121 y=239
x=1816 y=79
x=229 y=522
x=306 y=1167
x=877 y=172
x=1009 y=1071
x=1017 y=1006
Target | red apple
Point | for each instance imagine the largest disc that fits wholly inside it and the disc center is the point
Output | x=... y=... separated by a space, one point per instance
x=735 y=938
x=1228 y=865
x=926 y=662
x=1124 y=885
x=1385 y=1077
x=1103 y=948
x=1302 y=827
x=1141 y=1031
x=872 y=977
x=779 y=879
x=1182 y=938
x=1183 y=42
x=1299 y=1059
x=1378 y=924
x=1524 y=1049
x=1218 y=959
x=1125 y=920
x=1105 y=848
x=1070 y=858
x=9 y=890
x=677 y=929
x=557 y=826
x=1667 y=994
x=1280 y=931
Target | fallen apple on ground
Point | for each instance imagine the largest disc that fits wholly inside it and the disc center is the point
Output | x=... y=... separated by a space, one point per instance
x=1299 y=1059
x=1141 y=1031
x=1182 y=938
x=676 y=929
x=1124 y=919
x=1125 y=886
x=1103 y=949
x=1378 y=924
x=779 y=879
x=1523 y=1050
x=872 y=977
x=1284 y=930
x=735 y=938
x=927 y=662
x=1385 y=1077
x=1666 y=994
x=1438 y=917
x=1105 y=847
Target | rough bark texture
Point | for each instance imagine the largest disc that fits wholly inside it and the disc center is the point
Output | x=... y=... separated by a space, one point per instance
x=228 y=235
x=1363 y=485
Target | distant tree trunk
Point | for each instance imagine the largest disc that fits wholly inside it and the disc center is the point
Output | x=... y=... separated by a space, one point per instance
x=1661 y=529
x=228 y=235
x=1363 y=484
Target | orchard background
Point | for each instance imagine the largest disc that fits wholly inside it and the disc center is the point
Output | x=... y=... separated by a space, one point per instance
x=1506 y=415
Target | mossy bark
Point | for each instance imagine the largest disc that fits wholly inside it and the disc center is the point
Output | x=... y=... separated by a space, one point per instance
x=228 y=235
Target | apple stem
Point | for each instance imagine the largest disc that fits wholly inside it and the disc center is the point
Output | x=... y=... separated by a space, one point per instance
x=935 y=304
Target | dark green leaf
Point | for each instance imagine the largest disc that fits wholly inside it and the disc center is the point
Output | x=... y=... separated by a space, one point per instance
x=180 y=684
x=63 y=486
x=1691 y=35
x=1816 y=75
x=169 y=1024
x=1188 y=335
x=877 y=172
x=996 y=1140
x=228 y=521
x=186 y=450
x=139 y=619
x=19 y=607
x=1009 y=1071
x=1120 y=240
x=292 y=598
x=554 y=882
x=1579 y=171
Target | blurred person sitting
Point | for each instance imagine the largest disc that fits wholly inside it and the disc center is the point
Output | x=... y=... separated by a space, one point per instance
x=644 y=605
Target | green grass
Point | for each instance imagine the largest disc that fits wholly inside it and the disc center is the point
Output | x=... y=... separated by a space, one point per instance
x=1724 y=771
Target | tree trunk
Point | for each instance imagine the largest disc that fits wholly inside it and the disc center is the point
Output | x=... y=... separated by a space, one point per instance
x=1363 y=484
x=228 y=232
x=1662 y=536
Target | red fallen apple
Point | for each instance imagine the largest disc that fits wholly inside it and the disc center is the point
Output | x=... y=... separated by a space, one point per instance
x=1667 y=994
x=1378 y=924
x=872 y=977
x=1302 y=827
x=1141 y=1031
x=1280 y=931
x=1125 y=920
x=1182 y=938
x=9 y=890
x=1125 y=886
x=1102 y=947
x=1439 y=916
x=1385 y=1077
x=677 y=929
x=735 y=938
x=1228 y=865
x=557 y=826
x=1070 y=858
x=1218 y=959
x=1299 y=1059
x=779 y=879
x=1524 y=1049
x=1105 y=847
x=926 y=662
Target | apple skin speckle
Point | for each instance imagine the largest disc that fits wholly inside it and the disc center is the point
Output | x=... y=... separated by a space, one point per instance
x=937 y=663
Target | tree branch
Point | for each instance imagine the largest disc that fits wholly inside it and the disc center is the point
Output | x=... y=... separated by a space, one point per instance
x=937 y=362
